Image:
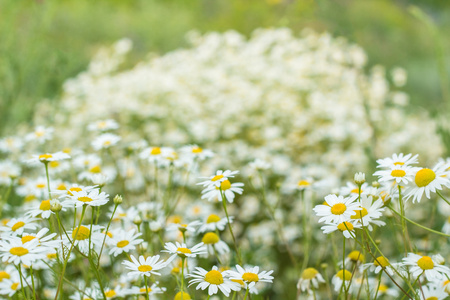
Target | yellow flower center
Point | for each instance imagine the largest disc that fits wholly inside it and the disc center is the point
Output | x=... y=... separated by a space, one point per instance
x=95 y=169
x=27 y=238
x=184 y=250
x=338 y=209
x=67 y=150
x=398 y=173
x=106 y=143
x=345 y=226
x=18 y=251
x=51 y=255
x=356 y=255
x=176 y=219
x=74 y=189
x=399 y=163
x=14 y=286
x=45 y=156
x=110 y=293
x=40 y=185
x=54 y=164
x=123 y=243
x=4 y=275
x=213 y=219
x=30 y=198
x=355 y=191
x=425 y=263
x=214 y=277
x=309 y=273
x=45 y=205
x=145 y=268
x=143 y=290
x=432 y=298
x=225 y=185
x=210 y=238
x=108 y=234
x=185 y=296
x=238 y=281
x=383 y=288
x=217 y=177
x=303 y=183
x=61 y=187
x=155 y=151
x=250 y=277
x=197 y=150
x=84 y=199
x=359 y=213
x=381 y=262
x=83 y=233
x=424 y=177
x=18 y=225
x=344 y=275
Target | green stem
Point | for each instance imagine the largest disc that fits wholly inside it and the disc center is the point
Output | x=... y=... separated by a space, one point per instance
x=21 y=281
x=442 y=197
x=106 y=232
x=146 y=287
x=246 y=294
x=182 y=277
x=224 y=203
x=48 y=180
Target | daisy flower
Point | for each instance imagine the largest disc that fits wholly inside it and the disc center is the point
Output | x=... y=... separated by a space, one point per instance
x=250 y=275
x=145 y=266
x=398 y=174
x=213 y=223
x=196 y=152
x=156 y=154
x=369 y=212
x=216 y=180
x=88 y=294
x=226 y=188
x=213 y=242
x=43 y=241
x=16 y=226
x=11 y=144
x=351 y=189
x=381 y=263
x=42 y=210
x=13 y=285
x=9 y=172
x=124 y=241
x=432 y=292
x=91 y=198
x=310 y=276
x=151 y=290
x=213 y=280
x=419 y=264
x=105 y=141
x=347 y=228
x=428 y=181
x=40 y=134
x=183 y=251
x=48 y=157
x=341 y=277
x=14 y=251
x=354 y=257
x=103 y=125
x=8 y=272
x=397 y=160
x=259 y=165
x=80 y=236
x=191 y=227
x=337 y=209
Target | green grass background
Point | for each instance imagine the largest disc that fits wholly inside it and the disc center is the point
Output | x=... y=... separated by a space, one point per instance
x=42 y=43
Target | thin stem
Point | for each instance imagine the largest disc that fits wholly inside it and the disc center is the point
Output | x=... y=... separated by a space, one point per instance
x=442 y=197
x=146 y=287
x=224 y=203
x=246 y=294
x=182 y=277
x=48 y=180
x=21 y=281
x=106 y=233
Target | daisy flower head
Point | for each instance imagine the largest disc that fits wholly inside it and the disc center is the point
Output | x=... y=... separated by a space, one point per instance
x=397 y=160
x=41 y=209
x=196 y=152
x=432 y=291
x=156 y=155
x=105 y=141
x=216 y=180
x=14 y=251
x=13 y=285
x=259 y=165
x=151 y=290
x=191 y=227
x=379 y=264
x=250 y=275
x=184 y=251
x=418 y=265
x=428 y=181
x=310 y=276
x=43 y=241
x=369 y=212
x=213 y=243
x=48 y=157
x=339 y=279
x=351 y=189
x=90 y=198
x=40 y=134
x=226 y=190
x=16 y=226
x=305 y=183
x=145 y=266
x=400 y=174
x=103 y=125
x=213 y=280
x=213 y=223
x=337 y=209
x=347 y=228
x=124 y=241
x=80 y=237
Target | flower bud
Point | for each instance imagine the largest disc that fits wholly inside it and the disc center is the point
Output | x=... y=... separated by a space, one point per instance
x=155 y=226
x=360 y=178
x=55 y=205
x=375 y=184
x=137 y=220
x=118 y=200
x=439 y=259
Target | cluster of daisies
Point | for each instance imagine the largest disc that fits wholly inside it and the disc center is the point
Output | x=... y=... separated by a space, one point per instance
x=357 y=211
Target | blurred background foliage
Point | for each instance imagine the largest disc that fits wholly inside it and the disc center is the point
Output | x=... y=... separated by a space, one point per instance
x=45 y=42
